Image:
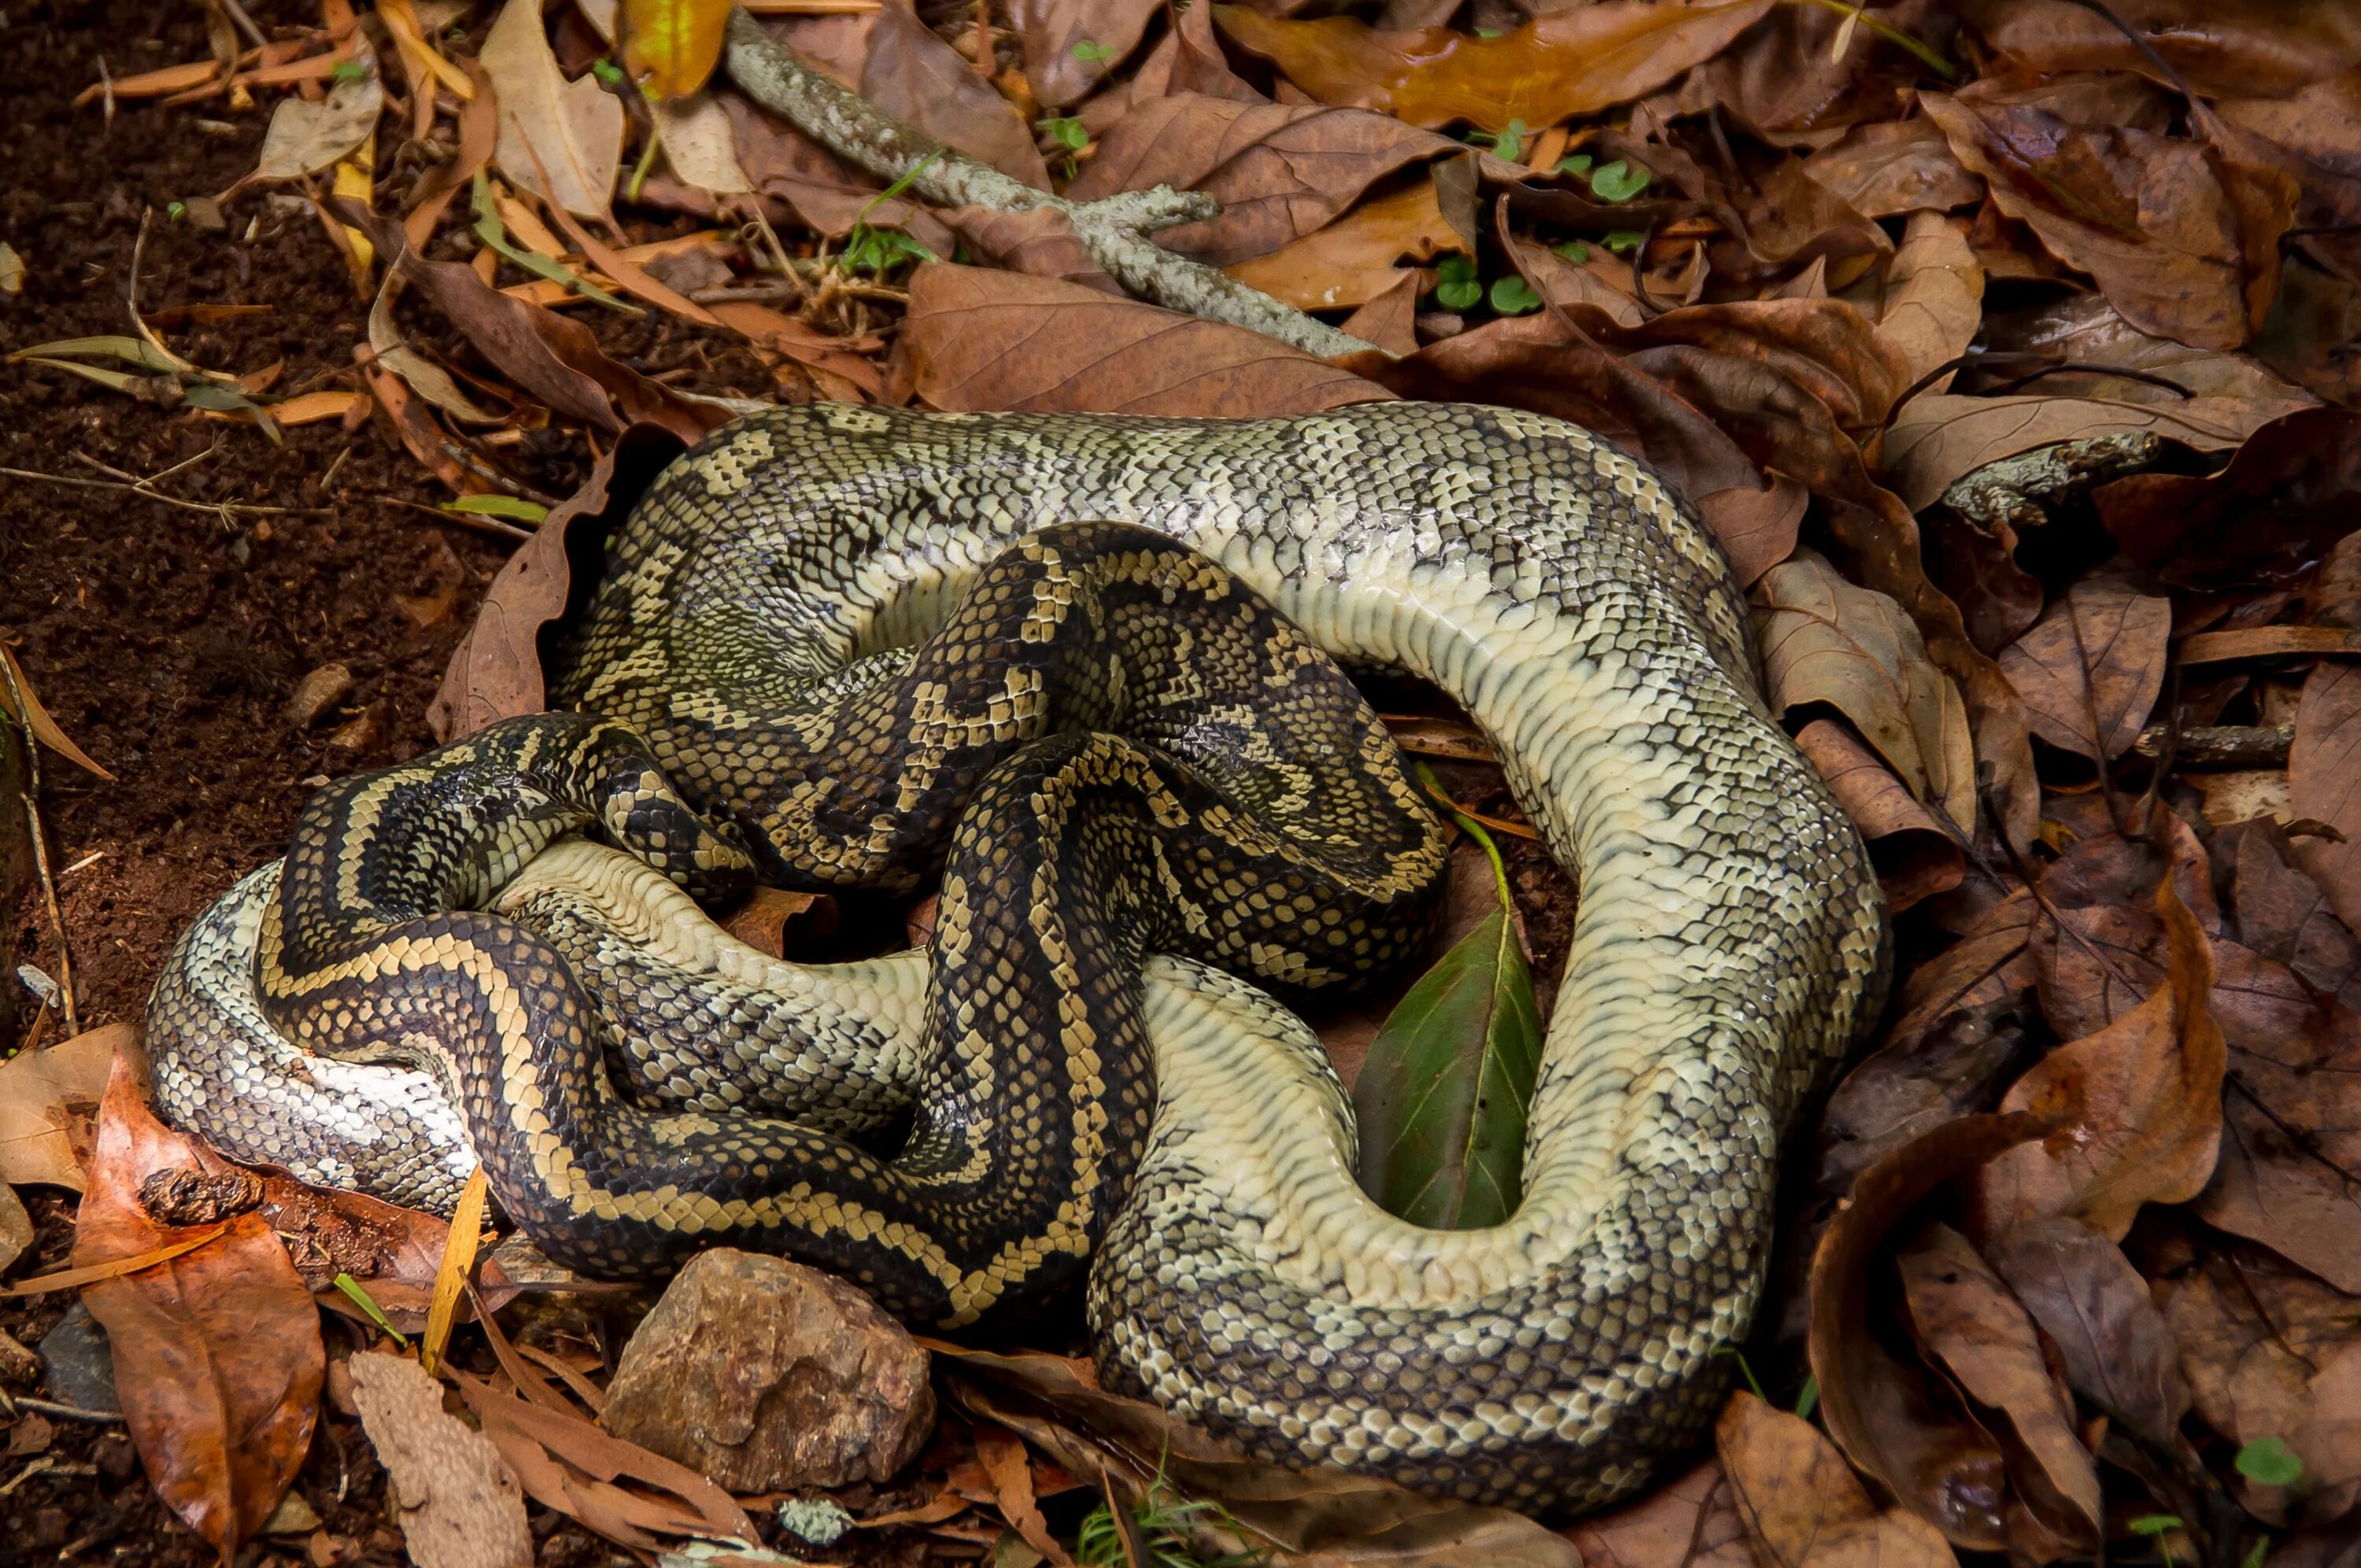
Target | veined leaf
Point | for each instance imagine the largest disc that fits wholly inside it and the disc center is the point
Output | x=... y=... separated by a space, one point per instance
x=1442 y=1097
x=670 y=47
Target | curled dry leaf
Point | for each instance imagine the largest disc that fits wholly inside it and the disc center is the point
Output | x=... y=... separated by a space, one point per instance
x=2097 y=1310
x=1967 y=1320
x=305 y=137
x=217 y=1354
x=1567 y=63
x=2140 y=1102
x=1914 y=856
x=562 y=140
x=458 y=1503
x=47 y=1097
x=1941 y=439
x=1692 y=1522
x=1827 y=641
x=982 y=340
x=2089 y=669
x=1802 y=1504
x=1325 y=1517
x=1877 y=1405
x=1279 y=170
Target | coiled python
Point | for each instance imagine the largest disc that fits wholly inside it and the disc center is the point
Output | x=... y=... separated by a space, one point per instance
x=815 y=627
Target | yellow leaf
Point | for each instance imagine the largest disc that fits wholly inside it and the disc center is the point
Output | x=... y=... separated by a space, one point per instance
x=459 y=1261
x=670 y=47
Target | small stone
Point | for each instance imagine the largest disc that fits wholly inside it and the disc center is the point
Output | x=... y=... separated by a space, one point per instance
x=317 y=693
x=293 y=1515
x=687 y=271
x=357 y=736
x=769 y=1376
x=80 y=1364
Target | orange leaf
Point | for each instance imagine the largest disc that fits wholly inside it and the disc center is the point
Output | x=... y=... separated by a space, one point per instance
x=671 y=46
x=1570 y=62
x=217 y=1354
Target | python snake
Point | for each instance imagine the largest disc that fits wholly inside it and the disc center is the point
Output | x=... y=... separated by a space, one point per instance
x=815 y=627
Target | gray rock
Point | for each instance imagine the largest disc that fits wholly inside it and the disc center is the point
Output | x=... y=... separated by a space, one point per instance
x=80 y=1362
x=770 y=1377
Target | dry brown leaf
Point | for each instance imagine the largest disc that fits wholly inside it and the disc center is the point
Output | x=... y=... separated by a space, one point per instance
x=2089 y=669
x=1105 y=31
x=2097 y=1310
x=217 y=1354
x=1939 y=440
x=2324 y=782
x=1967 y=1318
x=1885 y=169
x=1279 y=170
x=2271 y=48
x=562 y=140
x=2086 y=330
x=2167 y=226
x=1390 y=321
x=1360 y=255
x=1934 y=296
x=2142 y=1098
x=1002 y=1453
x=1691 y=1522
x=984 y=340
x=1601 y=281
x=1914 y=856
x=46 y=1100
x=1879 y=1407
x=458 y=1503
x=2285 y=499
x=1801 y=1503
x=1567 y=63
x=1826 y=641
x=305 y=137
x=2252 y=1333
x=45 y=728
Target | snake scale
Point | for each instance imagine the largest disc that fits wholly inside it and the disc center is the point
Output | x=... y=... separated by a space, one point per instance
x=1087 y=666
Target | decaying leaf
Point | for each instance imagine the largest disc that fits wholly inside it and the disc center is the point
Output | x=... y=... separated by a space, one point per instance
x=46 y=1100
x=1934 y=296
x=305 y=137
x=2324 y=782
x=1360 y=255
x=2097 y=1311
x=218 y=1359
x=1826 y=641
x=1914 y=857
x=1691 y=1522
x=562 y=140
x=2090 y=668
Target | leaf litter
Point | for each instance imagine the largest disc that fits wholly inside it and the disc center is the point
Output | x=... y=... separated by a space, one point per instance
x=1999 y=348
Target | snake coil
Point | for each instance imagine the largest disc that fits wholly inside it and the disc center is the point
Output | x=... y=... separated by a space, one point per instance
x=864 y=643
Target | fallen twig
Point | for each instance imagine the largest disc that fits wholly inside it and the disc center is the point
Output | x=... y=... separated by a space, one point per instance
x=30 y=795
x=1115 y=231
x=231 y=509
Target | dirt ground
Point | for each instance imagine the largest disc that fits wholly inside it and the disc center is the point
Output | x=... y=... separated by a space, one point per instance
x=168 y=640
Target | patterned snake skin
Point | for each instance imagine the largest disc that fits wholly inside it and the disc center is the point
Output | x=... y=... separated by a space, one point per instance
x=1728 y=944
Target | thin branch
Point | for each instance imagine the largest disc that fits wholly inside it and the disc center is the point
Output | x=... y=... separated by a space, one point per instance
x=217 y=509
x=1115 y=231
x=30 y=795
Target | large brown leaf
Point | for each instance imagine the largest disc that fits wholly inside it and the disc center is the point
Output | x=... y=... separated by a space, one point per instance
x=1889 y=168
x=2324 y=782
x=1691 y=1522
x=1802 y=1504
x=1826 y=641
x=2168 y=226
x=2090 y=668
x=2287 y=496
x=217 y=1354
x=994 y=341
x=1789 y=80
x=1967 y=1318
x=1939 y=439
x=2097 y=1310
x=1933 y=298
x=1358 y=257
x=2142 y=1100
x=2264 y=47
x=1567 y=63
x=46 y=1099
x=1104 y=31
x=2087 y=329
x=1279 y=170
x=1914 y=856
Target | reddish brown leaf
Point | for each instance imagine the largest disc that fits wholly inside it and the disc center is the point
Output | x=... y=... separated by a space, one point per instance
x=1966 y=1318
x=2286 y=495
x=1050 y=30
x=217 y=1352
x=1940 y=440
x=1802 y=1504
x=1790 y=81
x=1914 y=858
x=2284 y=915
x=2165 y=225
x=2096 y=1308
x=1002 y=1453
x=1934 y=297
x=2252 y=1333
x=2092 y=666
x=1389 y=320
x=806 y=183
x=2142 y=1100
x=2270 y=48
x=1358 y=257
x=981 y=340
x=1692 y=1522
x=1878 y=1407
x=1567 y=63
x=495 y=672
x=46 y=1100
x=1280 y=170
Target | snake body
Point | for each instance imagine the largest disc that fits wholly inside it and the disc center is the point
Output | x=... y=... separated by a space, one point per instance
x=815 y=627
